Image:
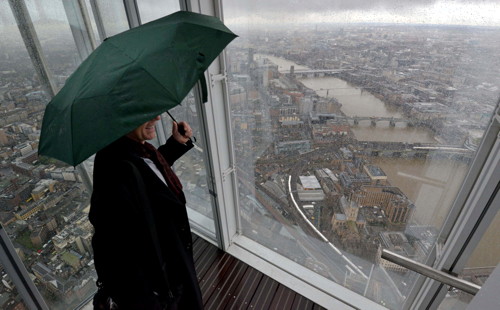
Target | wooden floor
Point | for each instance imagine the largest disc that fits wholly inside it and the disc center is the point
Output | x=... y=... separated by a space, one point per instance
x=228 y=283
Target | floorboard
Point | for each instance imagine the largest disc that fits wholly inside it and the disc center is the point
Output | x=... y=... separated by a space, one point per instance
x=228 y=283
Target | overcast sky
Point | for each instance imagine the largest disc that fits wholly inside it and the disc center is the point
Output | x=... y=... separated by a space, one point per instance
x=455 y=12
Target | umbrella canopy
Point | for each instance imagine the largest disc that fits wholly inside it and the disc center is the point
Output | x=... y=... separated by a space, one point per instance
x=129 y=79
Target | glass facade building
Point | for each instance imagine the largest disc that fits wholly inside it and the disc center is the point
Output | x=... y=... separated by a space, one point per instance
x=332 y=132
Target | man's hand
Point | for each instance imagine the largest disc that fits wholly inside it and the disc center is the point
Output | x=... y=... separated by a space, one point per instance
x=181 y=132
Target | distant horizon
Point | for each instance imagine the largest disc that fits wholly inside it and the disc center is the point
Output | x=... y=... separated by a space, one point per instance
x=284 y=24
x=385 y=23
x=367 y=23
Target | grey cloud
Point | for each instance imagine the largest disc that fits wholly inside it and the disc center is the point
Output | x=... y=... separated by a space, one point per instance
x=309 y=6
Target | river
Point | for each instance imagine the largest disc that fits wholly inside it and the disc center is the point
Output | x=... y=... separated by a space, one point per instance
x=357 y=102
x=432 y=184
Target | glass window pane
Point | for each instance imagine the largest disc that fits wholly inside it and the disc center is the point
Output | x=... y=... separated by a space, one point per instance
x=43 y=203
x=154 y=9
x=355 y=126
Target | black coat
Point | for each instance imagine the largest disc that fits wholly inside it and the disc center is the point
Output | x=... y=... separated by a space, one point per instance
x=124 y=254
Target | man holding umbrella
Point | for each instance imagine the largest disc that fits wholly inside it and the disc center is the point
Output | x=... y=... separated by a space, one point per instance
x=140 y=267
x=110 y=105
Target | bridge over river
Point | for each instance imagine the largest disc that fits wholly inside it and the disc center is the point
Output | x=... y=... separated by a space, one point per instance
x=413 y=150
x=312 y=72
x=374 y=120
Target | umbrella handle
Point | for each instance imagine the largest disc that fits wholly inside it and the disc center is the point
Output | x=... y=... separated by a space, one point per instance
x=181 y=129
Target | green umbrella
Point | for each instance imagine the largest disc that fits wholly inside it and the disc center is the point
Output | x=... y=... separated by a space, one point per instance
x=129 y=79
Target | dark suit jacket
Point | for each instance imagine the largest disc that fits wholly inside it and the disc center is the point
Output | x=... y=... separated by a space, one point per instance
x=124 y=254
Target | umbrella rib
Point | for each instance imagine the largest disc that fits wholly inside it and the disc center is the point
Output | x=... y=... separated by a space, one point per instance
x=154 y=78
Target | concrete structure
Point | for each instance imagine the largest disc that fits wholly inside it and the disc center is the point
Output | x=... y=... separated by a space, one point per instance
x=39 y=236
x=350 y=208
x=376 y=174
x=375 y=195
x=42 y=187
x=399 y=209
x=396 y=242
x=292 y=146
x=310 y=189
x=338 y=220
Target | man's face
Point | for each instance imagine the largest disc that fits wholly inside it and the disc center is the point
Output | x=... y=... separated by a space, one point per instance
x=144 y=132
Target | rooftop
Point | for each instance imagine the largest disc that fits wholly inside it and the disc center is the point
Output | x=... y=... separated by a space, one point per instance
x=310 y=182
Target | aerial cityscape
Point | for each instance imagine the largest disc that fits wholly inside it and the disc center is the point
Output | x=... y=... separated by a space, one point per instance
x=350 y=139
x=318 y=115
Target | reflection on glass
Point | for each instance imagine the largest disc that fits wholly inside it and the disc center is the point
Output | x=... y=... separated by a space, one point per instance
x=481 y=264
x=43 y=203
x=154 y=9
x=191 y=167
x=54 y=33
x=92 y=20
x=113 y=16
x=9 y=296
x=455 y=300
x=354 y=137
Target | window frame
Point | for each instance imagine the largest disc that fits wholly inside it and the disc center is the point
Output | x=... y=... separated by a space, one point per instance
x=218 y=137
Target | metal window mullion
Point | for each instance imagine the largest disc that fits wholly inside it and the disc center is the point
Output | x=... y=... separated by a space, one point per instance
x=98 y=20
x=210 y=154
x=219 y=81
x=218 y=140
x=132 y=12
x=185 y=5
x=211 y=166
x=18 y=274
x=216 y=148
x=79 y=22
x=475 y=217
x=32 y=45
x=219 y=12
